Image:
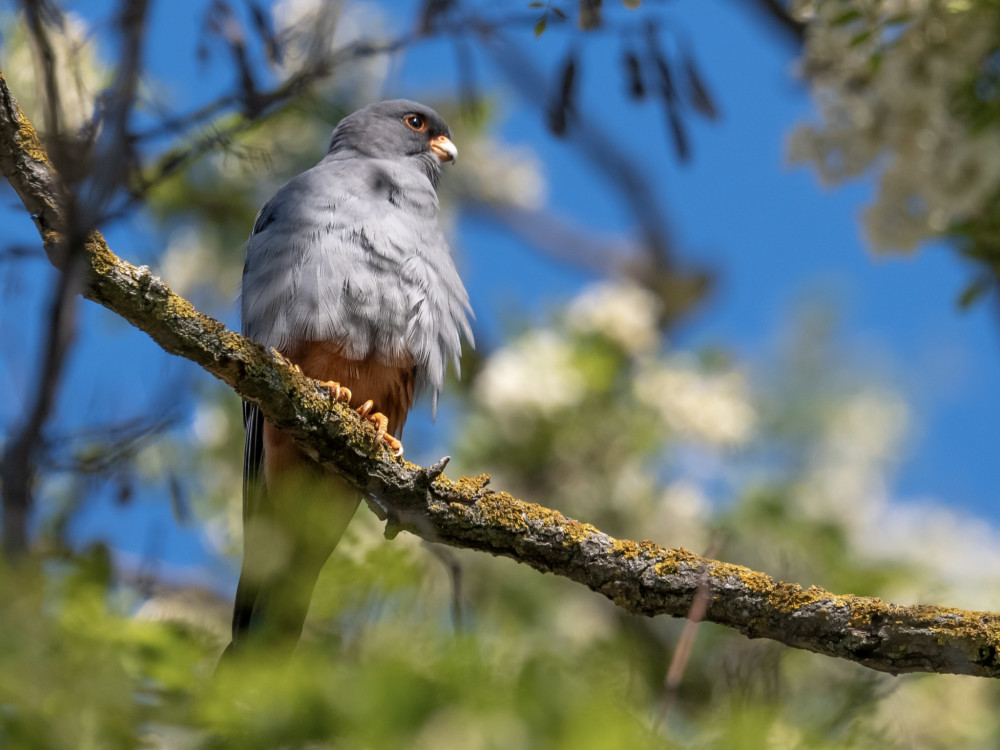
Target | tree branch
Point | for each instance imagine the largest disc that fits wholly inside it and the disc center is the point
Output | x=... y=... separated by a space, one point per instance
x=640 y=577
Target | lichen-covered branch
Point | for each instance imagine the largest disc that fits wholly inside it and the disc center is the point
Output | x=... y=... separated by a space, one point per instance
x=640 y=577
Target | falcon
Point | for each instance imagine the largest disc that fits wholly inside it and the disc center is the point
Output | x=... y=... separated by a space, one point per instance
x=348 y=275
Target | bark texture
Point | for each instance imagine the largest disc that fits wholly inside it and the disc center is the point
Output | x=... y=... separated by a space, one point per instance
x=640 y=577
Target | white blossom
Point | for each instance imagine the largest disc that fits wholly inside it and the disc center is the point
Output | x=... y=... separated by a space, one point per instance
x=311 y=30
x=890 y=100
x=848 y=482
x=621 y=311
x=711 y=407
x=535 y=375
x=210 y=425
x=682 y=515
x=79 y=75
x=497 y=174
x=846 y=477
x=188 y=261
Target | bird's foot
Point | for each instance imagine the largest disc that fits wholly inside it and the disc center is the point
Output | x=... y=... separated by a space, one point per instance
x=339 y=392
x=381 y=422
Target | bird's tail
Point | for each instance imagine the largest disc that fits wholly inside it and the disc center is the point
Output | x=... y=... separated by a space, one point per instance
x=271 y=605
x=289 y=531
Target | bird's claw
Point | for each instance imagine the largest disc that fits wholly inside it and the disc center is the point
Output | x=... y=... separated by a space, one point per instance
x=339 y=392
x=394 y=445
x=381 y=422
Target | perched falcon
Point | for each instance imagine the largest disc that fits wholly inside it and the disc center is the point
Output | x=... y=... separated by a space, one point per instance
x=348 y=275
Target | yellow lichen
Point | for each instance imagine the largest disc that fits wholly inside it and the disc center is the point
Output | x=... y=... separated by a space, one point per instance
x=470 y=486
x=547 y=516
x=790 y=597
x=500 y=509
x=673 y=558
x=651 y=549
x=233 y=342
x=751 y=579
x=625 y=548
x=102 y=260
x=628 y=549
x=178 y=307
x=28 y=139
x=575 y=532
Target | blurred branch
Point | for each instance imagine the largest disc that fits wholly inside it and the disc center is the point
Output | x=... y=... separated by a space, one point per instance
x=640 y=577
x=38 y=15
x=20 y=455
x=777 y=12
x=71 y=223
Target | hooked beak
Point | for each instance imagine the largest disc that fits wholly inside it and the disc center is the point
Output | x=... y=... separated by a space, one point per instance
x=444 y=148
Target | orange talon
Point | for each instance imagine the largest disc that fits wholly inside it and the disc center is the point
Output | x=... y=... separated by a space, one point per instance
x=394 y=445
x=339 y=392
x=381 y=422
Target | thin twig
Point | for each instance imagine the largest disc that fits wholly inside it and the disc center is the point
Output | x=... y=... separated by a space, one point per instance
x=454 y=569
x=685 y=644
x=19 y=461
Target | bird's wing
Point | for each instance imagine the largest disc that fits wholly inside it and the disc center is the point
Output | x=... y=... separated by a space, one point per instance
x=350 y=252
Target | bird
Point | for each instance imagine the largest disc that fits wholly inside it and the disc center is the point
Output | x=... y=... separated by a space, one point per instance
x=347 y=275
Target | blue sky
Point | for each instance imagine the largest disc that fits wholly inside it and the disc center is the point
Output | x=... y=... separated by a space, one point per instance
x=775 y=237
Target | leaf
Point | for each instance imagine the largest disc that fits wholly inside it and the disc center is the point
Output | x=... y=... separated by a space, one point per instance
x=845 y=18
x=536 y=4
x=897 y=19
x=632 y=4
x=874 y=63
x=540 y=27
x=973 y=292
x=861 y=38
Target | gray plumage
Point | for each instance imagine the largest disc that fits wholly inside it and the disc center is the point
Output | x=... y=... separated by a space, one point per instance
x=350 y=251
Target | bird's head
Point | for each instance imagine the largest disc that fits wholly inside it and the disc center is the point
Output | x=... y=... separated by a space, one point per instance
x=397 y=129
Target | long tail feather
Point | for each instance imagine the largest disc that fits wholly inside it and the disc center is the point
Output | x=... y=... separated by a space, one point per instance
x=289 y=532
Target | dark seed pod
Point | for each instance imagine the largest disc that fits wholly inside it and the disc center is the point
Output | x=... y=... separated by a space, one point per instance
x=678 y=134
x=558 y=113
x=431 y=12
x=698 y=92
x=667 y=87
x=557 y=119
x=568 y=81
x=590 y=14
x=262 y=24
x=633 y=73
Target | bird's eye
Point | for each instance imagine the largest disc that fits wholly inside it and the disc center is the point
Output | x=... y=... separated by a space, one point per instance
x=415 y=122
